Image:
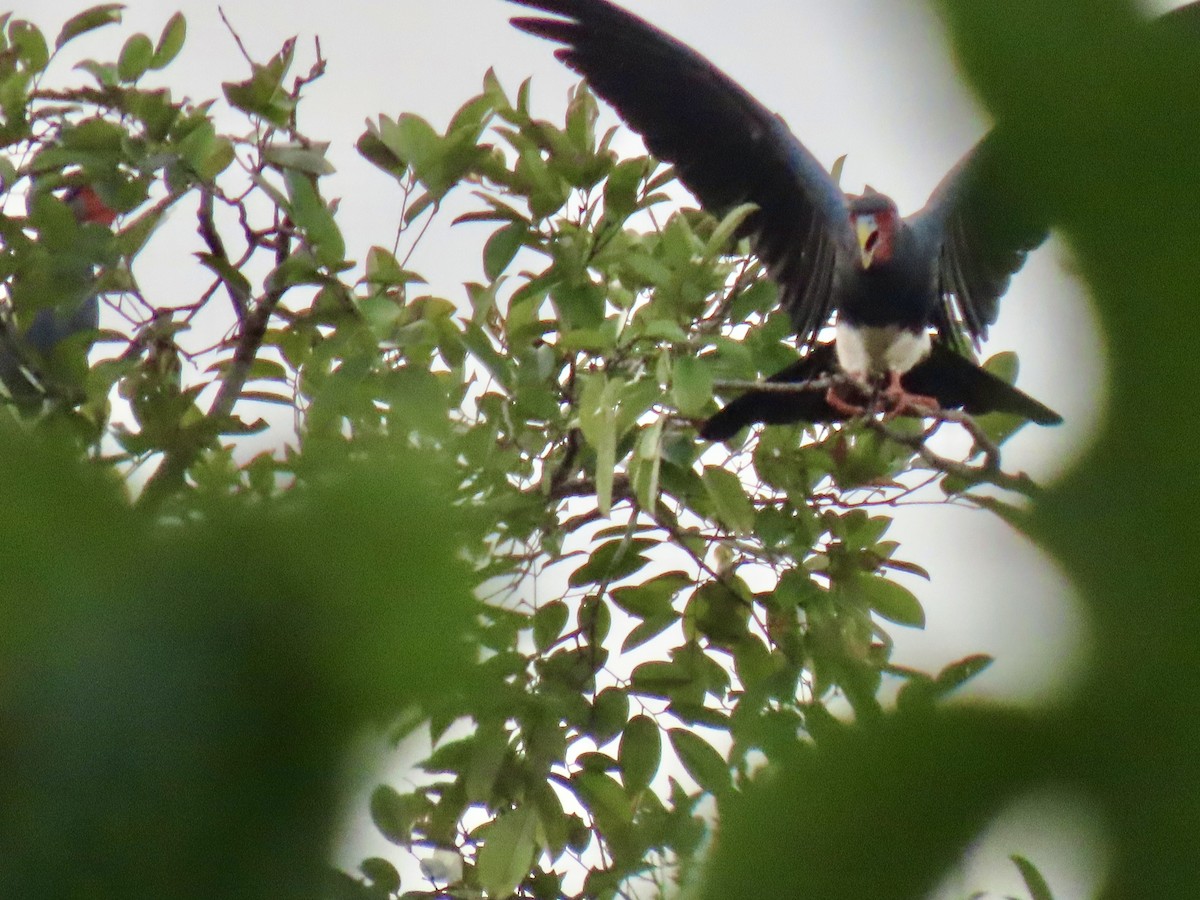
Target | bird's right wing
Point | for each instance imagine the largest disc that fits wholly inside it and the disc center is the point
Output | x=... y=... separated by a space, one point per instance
x=726 y=146
x=983 y=233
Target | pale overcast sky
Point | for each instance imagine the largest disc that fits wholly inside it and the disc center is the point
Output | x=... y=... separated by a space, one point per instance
x=868 y=78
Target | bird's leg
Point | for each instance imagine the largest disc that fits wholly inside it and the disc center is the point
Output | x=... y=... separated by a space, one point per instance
x=900 y=402
x=843 y=405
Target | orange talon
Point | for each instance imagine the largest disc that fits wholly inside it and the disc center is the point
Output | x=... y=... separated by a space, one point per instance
x=901 y=402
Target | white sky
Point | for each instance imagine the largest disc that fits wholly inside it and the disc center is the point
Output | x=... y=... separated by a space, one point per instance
x=868 y=78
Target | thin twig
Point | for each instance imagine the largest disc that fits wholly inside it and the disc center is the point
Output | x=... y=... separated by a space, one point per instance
x=239 y=294
x=822 y=383
x=989 y=472
x=237 y=37
x=170 y=474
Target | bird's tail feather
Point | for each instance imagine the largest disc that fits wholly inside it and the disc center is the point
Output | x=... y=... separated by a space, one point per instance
x=959 y=383
x=953 y=380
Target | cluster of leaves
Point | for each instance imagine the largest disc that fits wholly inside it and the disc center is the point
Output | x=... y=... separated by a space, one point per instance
x=641 y=597
x=620 y=627
x=205 y=650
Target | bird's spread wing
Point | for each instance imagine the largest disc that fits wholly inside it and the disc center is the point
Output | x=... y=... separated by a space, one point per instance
x=726 y=146
x=984 y=232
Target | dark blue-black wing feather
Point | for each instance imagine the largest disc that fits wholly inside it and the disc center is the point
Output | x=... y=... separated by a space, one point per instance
x=984 y=227
x=727 y=147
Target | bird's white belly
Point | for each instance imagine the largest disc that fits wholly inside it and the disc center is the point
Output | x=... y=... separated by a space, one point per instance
x=879 y=349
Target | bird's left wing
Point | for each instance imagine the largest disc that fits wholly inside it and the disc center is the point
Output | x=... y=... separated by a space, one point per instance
x=976 y=219
x=726 y=146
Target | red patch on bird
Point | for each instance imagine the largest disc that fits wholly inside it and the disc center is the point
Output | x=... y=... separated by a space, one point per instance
x=885 y=223
x=88 y=207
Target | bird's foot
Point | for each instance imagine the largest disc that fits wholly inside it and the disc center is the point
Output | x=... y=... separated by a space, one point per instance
x=842 y=405
x=899 y=402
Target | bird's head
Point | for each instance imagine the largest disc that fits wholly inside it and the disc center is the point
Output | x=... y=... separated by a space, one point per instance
x=874 y=218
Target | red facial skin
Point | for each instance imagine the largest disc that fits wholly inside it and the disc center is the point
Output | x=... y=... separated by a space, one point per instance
x=886 y=221
x=883 y=238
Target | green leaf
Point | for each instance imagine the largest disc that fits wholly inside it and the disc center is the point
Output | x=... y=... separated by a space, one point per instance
x=1034 y=882
x=610 y=710
x=548 y=623
x=605 y=798
x=262 y=94
x=308 y=157
x=383 y=268
x=691 y=386
x=89 y=20
x=702 y=762
x=217 y=160
x=381 y=873
x=135 y=234
x=170 y=41
x=752 y=661
x=893 y=602
x=413 y=138
x=29 y=43
x=733 y=507
x=663 y=679
x=394 y=814
x=195 y=146
x=227 y=272
x=487 y=757
x=640 y=753
x=135 y=58
x=595 y=619
x=959 y=673
x=598 y=422
x=310 y=213
x=553 y=823
x=501 y=247
x=612 y=561
x=635 y=399
x=717 y=613
x=620 y=191
x=452 y=756
x=649 y=629
x=547 y=192
x=1003 y=365
x=654 y=597
x=649 y=459
x=508 y=851
x=719 y=241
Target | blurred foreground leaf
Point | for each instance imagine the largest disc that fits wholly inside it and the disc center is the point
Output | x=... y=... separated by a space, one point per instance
x=175 y=698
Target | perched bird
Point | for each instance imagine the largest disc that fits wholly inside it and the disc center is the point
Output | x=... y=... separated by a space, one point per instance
x=22 y=354
x=898 y=285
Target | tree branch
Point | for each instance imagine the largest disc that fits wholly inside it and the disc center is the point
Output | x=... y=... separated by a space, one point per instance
x=169 y=476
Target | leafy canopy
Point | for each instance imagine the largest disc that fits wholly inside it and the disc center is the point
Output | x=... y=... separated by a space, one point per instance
x=492 y=519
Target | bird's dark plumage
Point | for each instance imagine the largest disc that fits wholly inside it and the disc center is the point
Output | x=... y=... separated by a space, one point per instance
x=948 y=377
x=948 y=265
x=24 y=354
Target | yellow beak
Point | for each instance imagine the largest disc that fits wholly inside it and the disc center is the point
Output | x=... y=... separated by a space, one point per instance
x=868 y=236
